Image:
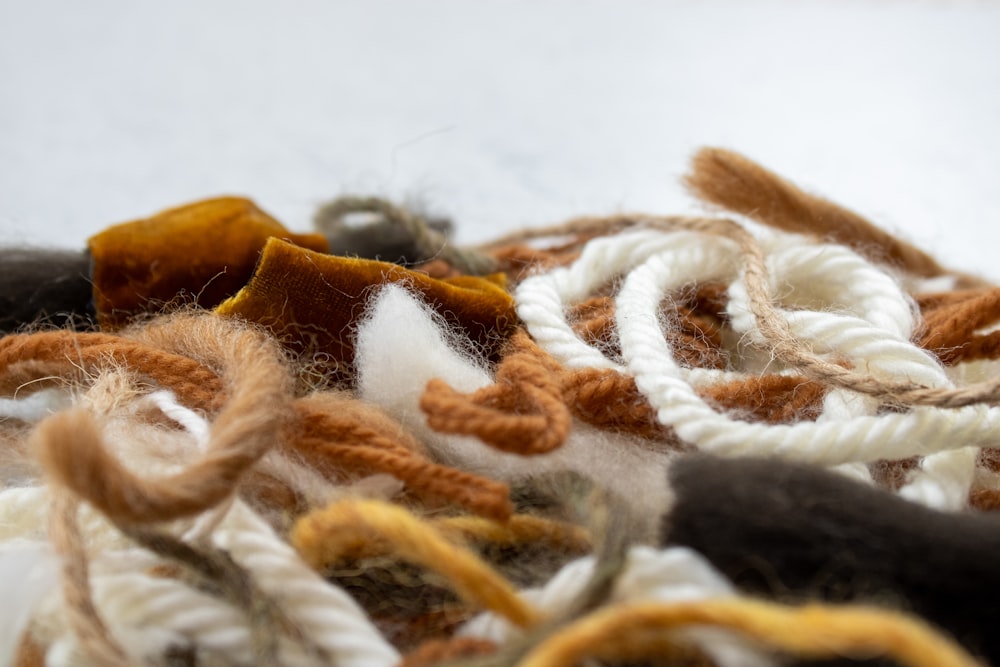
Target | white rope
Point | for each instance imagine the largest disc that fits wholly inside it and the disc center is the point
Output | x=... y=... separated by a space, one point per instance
x=330 y=618
x=671 y=575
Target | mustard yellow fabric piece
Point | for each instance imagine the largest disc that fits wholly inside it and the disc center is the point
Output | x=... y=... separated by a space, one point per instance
x=202 y=252
x=312 y=302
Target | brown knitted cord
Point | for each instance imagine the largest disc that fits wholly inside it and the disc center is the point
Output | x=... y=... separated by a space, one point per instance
x=521 y=413
x=931 y=301
x=776 y=399
x=608 y=399
x=734 y=182
x=949 y=329
x=72 y=355
x=344 y=442
x=70 y=446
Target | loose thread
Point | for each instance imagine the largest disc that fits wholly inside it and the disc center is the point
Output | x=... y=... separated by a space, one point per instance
x=812 y=631
x=357 y=521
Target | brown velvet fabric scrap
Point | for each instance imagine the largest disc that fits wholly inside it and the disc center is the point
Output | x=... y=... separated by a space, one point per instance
x=202 y=252
x=312 y=302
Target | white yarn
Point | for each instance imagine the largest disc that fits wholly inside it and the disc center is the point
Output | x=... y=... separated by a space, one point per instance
x=541 y=299
x=147 y=615
x=676 y=574
x=827 y=278
x=328 y=617
x=394 y=364
x=194 y=423
x=878 y=341
x=921 y=431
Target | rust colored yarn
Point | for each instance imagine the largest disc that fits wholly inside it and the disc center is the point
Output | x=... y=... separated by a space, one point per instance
x=776 y=399
x=345 y=436
x=72 y=355
x=949 y=328
x=434 y=651
x=608 y=399
x=522 y=413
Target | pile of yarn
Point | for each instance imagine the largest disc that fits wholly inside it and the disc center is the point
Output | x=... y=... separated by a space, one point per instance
x=746 y=440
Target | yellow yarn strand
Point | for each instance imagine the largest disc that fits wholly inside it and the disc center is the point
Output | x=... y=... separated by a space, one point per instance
x=324 y=535
x=518 y=529
x=810 y=631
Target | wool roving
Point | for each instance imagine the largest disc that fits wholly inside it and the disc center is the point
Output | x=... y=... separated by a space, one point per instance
x=636 y=439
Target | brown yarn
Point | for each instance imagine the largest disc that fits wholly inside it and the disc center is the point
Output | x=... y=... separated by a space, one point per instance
x=985 y=500
x=608 y=399
x=72 y=355
x=734 y=182
x=70 y=446
x=434 y=651
x=336 y=434
x=776 y=399
x=522 y=412
x=949 y=330
x=83 y=617
x=28 y=653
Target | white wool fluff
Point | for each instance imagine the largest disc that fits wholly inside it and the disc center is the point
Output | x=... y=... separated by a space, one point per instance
x=677 y=574
x=402 y=344
x=37 y=406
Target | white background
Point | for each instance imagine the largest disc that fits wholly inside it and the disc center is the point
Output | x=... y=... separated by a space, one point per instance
x=499 y=114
